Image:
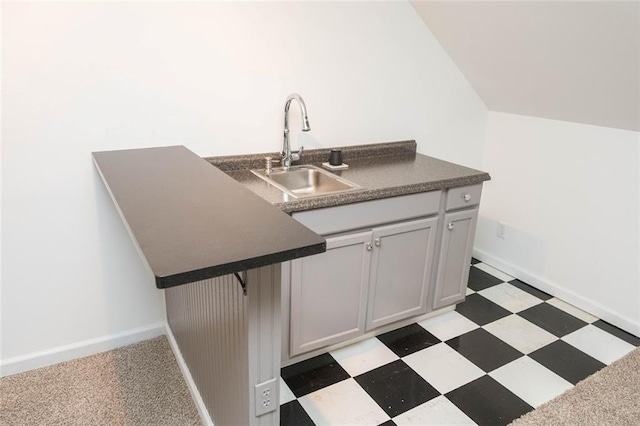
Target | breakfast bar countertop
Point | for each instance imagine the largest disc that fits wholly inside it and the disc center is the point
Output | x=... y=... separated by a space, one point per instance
x=190 y=221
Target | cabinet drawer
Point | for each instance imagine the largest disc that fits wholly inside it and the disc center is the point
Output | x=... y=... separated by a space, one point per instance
x=361 y=215
x=464 y=196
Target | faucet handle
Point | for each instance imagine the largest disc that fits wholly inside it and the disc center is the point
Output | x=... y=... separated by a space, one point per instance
x=295 y=156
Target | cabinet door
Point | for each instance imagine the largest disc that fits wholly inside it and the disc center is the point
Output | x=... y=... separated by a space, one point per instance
x=400 y=271
x=455 y=257
x=328 y=293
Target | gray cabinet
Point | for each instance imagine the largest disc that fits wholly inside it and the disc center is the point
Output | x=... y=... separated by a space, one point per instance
x=455 y=257
x=401 y=263
x=379 y=268
x=328 y=293
x=381 y=275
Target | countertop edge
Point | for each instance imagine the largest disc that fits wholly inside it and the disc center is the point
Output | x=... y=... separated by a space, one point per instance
x=376 y=194
x=163 y=282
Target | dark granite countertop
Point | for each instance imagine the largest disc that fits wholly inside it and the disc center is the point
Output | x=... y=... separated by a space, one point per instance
x=190 y=221
x=382 y=170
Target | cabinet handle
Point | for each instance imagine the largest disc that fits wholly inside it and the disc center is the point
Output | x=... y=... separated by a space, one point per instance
x=450 y=226
x=377 y=242
x=369 y=247
x=466 y=197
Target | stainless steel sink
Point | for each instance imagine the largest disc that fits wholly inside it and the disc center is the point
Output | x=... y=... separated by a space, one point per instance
x=305 y=181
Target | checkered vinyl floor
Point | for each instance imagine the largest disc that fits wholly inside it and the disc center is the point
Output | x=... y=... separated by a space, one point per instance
x=503 y=352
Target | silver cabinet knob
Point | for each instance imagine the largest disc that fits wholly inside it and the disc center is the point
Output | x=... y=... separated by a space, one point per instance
x=377 y=242
x=450 y=226
x=466 y=197
x=369 y=247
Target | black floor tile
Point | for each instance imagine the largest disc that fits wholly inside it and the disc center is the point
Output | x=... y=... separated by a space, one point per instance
x=313 y=374
x=481 y=310
x=292 y=414
x=484 y=349
x=387 y=423
x=552 y=319
x=566 y=361
x=531 y=290
x=479 y=279
x=396 y=388
x=474 y=261
x=409 y=339
x=487 y=402
x=621 y=334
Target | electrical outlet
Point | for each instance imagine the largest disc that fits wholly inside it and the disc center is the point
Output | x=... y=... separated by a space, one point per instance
x=502 y=230
x=267 y=398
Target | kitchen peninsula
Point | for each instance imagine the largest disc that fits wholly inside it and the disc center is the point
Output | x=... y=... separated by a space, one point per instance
x=199 y=228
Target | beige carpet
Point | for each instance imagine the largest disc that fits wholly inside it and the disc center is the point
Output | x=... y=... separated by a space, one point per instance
x=135 y=385
x=609 y=397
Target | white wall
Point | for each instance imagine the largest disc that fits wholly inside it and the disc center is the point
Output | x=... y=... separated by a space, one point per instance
x=569 y=195
x=82 y=77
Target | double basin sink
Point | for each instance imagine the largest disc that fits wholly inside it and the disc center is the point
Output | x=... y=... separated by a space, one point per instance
x=305 y=181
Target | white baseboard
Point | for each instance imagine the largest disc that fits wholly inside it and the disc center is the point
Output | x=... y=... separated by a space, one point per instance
x=60 y=354
x=579 y=301
x=193 y=389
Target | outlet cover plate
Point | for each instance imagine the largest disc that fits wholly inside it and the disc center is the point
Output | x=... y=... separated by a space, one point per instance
x=267 y=398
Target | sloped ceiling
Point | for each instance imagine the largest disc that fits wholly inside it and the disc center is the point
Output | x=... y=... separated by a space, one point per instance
x=565 y=60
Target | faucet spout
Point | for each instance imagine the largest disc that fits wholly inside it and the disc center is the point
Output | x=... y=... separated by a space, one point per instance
x=287 y=155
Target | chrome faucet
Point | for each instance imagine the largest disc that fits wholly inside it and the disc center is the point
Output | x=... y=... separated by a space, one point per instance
x=287 y=155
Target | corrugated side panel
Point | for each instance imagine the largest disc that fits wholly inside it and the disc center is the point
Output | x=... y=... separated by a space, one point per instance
x=209 y=322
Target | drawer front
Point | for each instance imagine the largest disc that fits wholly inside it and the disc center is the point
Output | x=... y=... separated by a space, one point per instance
x=464 y=196
x=369 y=213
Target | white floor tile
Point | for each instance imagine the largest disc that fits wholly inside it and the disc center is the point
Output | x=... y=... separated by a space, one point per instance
x=285 y=393
x=449 y=325
x=510 y=297
x=444 y=368
x=601 y=345
x=363 y=356
x=493 y=271
x=529 y=380
x=343 y=403
x=570 y=309
x=469 y=291
x=438 y=411
x=520 y=333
